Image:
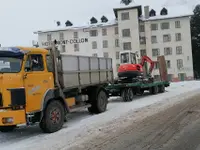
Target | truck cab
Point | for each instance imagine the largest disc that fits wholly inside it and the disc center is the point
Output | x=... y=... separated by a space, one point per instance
x=24 y=78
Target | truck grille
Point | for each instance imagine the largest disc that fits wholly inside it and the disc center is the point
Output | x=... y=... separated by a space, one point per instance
x=1 y=100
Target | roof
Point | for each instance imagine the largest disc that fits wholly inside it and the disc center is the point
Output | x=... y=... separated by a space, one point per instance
x=173 y=12
x=33 y=49
x=19 y=51
x=183 y=11
x=95 y=25
x=122 y=6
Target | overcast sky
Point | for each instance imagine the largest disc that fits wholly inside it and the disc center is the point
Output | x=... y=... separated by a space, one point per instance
x=20 y=18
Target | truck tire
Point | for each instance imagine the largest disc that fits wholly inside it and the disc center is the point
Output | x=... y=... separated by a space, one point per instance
x=7 y=128
x=153 y=90
x=54 y=116
x=99 y=100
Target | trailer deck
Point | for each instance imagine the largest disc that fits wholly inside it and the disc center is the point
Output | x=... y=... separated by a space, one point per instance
x=128 y=90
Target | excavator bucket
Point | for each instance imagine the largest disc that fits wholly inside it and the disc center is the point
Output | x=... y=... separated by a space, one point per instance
x=162 y=68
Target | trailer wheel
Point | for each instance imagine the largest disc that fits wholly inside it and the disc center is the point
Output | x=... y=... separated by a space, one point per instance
x=99 y=101
x=124 y=95
x=7 y=128
x=127 y=94
x=154 y=90
x=54 y=116
x=162 y=89
x=140 y=91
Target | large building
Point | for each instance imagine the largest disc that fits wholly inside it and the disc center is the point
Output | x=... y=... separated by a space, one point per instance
x=163 y=33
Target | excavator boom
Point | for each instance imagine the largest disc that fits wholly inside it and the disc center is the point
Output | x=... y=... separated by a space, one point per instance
x=147 y=59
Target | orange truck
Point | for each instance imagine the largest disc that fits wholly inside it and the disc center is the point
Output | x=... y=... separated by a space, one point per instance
x=42 y=86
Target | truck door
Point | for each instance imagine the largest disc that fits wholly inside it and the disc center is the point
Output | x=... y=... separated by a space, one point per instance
x=36 y=81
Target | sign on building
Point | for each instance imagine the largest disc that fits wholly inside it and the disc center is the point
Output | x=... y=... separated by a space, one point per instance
x=70 y=41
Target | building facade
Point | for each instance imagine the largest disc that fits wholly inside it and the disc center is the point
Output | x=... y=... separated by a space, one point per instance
x=149 y=34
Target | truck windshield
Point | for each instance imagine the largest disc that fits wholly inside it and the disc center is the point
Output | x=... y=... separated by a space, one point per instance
x=10 y=64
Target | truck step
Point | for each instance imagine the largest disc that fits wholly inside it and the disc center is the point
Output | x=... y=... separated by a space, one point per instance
x=79 y=107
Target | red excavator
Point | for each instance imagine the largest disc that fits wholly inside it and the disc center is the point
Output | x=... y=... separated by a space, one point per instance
x=130 y=69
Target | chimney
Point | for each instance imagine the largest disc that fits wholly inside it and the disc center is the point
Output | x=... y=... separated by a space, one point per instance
x=146 y=12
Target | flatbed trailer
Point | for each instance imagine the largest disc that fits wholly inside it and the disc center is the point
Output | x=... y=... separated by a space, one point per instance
x=128 y=90
x=137 y=86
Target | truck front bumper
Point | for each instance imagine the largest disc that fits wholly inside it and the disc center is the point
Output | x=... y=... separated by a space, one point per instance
x=12 y=117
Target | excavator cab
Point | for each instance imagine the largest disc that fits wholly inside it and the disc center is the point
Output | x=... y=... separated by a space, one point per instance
x=131 y=69
x=128 y=57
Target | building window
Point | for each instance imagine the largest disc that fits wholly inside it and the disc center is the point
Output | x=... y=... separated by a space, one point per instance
x=155 y=52
x=156 y=65
x=61 y=34
x=116 y=42
x=93 y=33
x=168 y=63
x=49 y=37
x=62 y=48
x=142 y=40
x=166 y=38
x=117 y=55
x=177 y=24
x=142 y=28
x=125 y=16
x=154 y=27
x=105 y=54
x=168 y=51
x=76 y=47
x=94 y=55
x=153 y=39
x=75 y=35
x=178 y=36
x=104 y=32
x=179 y=63
x=105 y=44
x=127 y=46
x=179 y=50
x=143 y=52
x=126 y=33
x=116 y=30
x=94 y=45
x=165 y=25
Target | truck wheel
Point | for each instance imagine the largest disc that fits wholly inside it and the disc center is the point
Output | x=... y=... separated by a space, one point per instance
x=99 y=101
x=162 y=89
x=153 y=90
x=7 y=128
x=54 y=116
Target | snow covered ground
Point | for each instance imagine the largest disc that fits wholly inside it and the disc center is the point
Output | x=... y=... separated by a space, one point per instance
x=81 y=125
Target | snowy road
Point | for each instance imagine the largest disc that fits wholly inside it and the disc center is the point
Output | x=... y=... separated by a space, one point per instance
x=82 y=126
x=175 y=128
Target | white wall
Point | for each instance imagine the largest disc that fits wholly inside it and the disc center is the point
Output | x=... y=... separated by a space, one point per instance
x=185 y=43
x=133 y=24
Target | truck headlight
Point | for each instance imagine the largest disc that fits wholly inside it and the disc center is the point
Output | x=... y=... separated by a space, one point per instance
x=7 y=120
